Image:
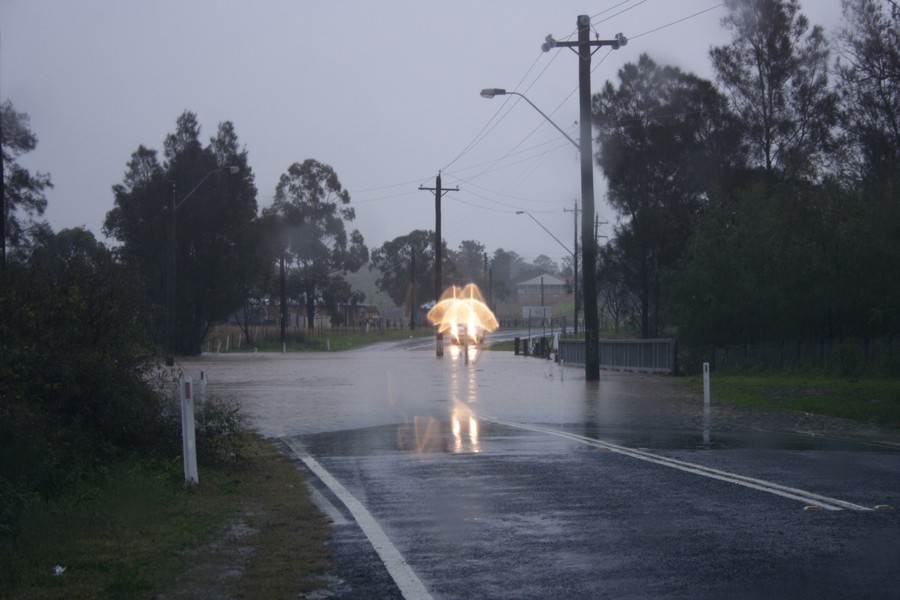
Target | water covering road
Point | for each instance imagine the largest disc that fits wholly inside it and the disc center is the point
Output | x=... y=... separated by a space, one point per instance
x=511 y=477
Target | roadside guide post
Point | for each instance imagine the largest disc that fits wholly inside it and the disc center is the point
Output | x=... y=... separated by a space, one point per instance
x=188 y=437
x=706 y=385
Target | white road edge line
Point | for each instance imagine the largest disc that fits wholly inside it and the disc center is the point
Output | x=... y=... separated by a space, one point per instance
x=749 y=482
x=410 y=585
x=331 y=511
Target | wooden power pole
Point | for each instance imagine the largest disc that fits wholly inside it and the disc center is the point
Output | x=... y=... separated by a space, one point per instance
x=438 y=251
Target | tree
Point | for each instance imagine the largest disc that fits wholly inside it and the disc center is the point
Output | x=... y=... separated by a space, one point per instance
x=869 y=88
x=310 y=200
x=394 y=260
x=869 y=85
x=547 y=264
x=218 y=240
x=468 y=263
x=23 y=194
x=616 y=297
x=665 y=136
x=775 y=71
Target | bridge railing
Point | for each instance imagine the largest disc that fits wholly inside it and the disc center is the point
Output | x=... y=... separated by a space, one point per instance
x=651 y=356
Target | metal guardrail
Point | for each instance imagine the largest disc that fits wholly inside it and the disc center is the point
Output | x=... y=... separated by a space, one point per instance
x=651 y=356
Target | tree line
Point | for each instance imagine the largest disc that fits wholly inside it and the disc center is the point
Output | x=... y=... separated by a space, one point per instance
x=764 y=205
x=761 y=205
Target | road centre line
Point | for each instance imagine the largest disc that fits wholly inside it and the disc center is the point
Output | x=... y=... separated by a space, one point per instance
x=410 y=585
x=697 y=469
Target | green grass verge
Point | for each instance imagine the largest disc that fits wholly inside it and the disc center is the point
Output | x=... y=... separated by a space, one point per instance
x=868 y=400
x=141 y=533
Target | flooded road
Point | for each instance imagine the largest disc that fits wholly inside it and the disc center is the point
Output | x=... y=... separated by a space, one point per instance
x=511 y=477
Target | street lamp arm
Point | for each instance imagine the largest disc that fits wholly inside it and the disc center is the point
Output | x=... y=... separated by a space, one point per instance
x=491 y=92
x=525 y=212
x=231 y=169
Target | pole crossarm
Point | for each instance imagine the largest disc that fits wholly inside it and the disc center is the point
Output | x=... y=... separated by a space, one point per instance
x=550 y=43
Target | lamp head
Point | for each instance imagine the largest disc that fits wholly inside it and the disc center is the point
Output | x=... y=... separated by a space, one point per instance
x=233 y=169
x=491 y=92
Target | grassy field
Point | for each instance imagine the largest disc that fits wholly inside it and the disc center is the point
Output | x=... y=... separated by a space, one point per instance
x=317 y=342
x=871 y=400
x=249 y=526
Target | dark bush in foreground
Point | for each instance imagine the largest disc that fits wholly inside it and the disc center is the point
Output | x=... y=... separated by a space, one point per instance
x=73 y=364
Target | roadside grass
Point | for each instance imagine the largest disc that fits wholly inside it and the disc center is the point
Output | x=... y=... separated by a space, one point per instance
x=140 y=533
x=870 y=400
x=507 y=346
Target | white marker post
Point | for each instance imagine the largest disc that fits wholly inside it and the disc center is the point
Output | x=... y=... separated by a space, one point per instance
x=706 y=384
x=188 y=436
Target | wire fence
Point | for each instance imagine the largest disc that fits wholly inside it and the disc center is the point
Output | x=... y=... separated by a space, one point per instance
x=848 y=357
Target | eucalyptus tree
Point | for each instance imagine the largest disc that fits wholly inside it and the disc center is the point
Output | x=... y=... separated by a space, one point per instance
x=217 y=237
x=869 y=84
x=24 y=193
x=313 y=209
x=468 y=262
x=869 y=88
x=406 y=264
x=775 y=72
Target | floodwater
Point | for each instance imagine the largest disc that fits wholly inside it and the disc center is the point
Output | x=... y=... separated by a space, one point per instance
x=288 y=394
x=513 y=477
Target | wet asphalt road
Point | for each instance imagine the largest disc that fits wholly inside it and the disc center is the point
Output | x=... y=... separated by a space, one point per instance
x=514 y=478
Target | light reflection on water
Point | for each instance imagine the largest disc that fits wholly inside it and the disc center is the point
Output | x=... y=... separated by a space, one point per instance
x=460 y=432
x=464 y=394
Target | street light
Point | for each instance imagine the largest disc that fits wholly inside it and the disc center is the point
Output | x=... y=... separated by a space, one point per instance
x=170 y=279
x=574 y=258
x=491 y=92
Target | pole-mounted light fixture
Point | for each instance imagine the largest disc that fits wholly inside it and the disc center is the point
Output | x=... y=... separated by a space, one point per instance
x=491 y=92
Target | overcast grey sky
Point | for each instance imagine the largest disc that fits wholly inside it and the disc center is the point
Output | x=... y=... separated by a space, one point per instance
x=386 y=92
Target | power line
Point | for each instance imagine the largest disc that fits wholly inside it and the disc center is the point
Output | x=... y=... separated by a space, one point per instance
x=696 y=14
x=609 y=18
x=494 y=120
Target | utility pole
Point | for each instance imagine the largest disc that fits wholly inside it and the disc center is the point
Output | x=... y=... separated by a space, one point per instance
x=575 y=267
x=438 y=251
x=170 y=279
x=2 y=212
x=412 y=289
x=588 y=242
x=283 y=298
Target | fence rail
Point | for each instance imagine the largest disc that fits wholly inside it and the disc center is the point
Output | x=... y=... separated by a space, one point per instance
x=651 y=356
x=839 y=355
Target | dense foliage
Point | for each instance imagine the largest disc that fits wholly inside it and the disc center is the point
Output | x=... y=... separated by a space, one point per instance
x=72 y=364
x=764 y=206
x=76 y=358
x=217 y=237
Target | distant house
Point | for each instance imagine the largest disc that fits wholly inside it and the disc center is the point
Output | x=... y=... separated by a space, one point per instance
x=554 y=290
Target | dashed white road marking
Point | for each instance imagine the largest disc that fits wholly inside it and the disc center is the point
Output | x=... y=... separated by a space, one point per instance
x=804 y=496
x=410 y=585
